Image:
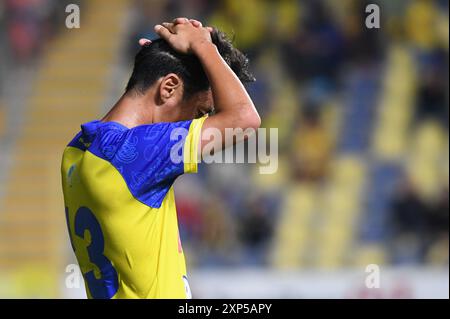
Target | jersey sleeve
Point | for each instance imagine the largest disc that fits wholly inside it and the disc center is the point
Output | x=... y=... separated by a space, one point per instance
x=151 y=157
x=190 y=147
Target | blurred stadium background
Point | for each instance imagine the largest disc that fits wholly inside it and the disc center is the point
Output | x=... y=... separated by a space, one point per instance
x=364 y=145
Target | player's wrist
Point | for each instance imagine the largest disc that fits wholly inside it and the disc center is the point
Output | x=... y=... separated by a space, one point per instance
x=199 y=48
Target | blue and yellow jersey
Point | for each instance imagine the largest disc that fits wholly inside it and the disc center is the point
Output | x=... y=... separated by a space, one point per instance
x=120 y=207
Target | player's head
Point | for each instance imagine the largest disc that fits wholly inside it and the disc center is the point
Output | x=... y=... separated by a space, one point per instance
x=178 y=80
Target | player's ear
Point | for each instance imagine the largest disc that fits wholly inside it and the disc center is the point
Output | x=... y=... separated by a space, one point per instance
x=170 y=87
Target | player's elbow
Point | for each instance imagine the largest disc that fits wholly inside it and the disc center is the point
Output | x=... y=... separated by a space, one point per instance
x=255 y=121
x=250 y=119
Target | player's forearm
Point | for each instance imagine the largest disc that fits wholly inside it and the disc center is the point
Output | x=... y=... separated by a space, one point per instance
x=231 y=100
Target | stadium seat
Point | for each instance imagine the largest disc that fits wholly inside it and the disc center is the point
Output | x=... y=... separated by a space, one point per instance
x=395 y=106
x=291 y=238
x=428 y=158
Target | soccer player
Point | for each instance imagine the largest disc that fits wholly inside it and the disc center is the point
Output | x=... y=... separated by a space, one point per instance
x=118 y=172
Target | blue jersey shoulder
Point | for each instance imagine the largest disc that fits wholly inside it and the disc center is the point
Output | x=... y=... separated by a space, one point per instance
x=142 y=154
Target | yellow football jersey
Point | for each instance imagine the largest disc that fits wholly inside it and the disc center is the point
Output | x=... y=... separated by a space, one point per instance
x=120 y=206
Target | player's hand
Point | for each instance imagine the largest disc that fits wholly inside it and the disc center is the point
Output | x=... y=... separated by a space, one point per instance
x=195 y=23
x=184 y=34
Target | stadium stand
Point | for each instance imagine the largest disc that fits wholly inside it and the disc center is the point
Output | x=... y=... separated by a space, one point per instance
x=363 y=131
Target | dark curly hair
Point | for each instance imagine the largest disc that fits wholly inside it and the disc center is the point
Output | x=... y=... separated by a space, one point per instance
x=157 y=59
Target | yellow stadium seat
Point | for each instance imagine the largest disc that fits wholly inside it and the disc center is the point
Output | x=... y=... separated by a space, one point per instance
x=293 y=232
x=395 y=106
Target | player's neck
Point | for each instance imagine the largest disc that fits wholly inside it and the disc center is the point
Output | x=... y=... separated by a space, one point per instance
x=130 y=111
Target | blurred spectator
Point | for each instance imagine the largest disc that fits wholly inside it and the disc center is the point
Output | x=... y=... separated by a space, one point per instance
x=315 y=48
x=217 y=233
x=312 y=146
x=24 y=28
x=438 y=251
x=421 y=23
x=417 y=224
x=408 y=223
x=439 y=215
x=246 y=22
x=255 y=229
x=30 y=23
x=432 y=92
x=189 y=215
x=362 y=45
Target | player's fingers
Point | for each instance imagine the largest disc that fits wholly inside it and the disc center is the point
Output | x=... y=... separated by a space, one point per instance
x=163 y=32
x=180 y=20
x=144 y=41
x=169 y=26
x=196 y=23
